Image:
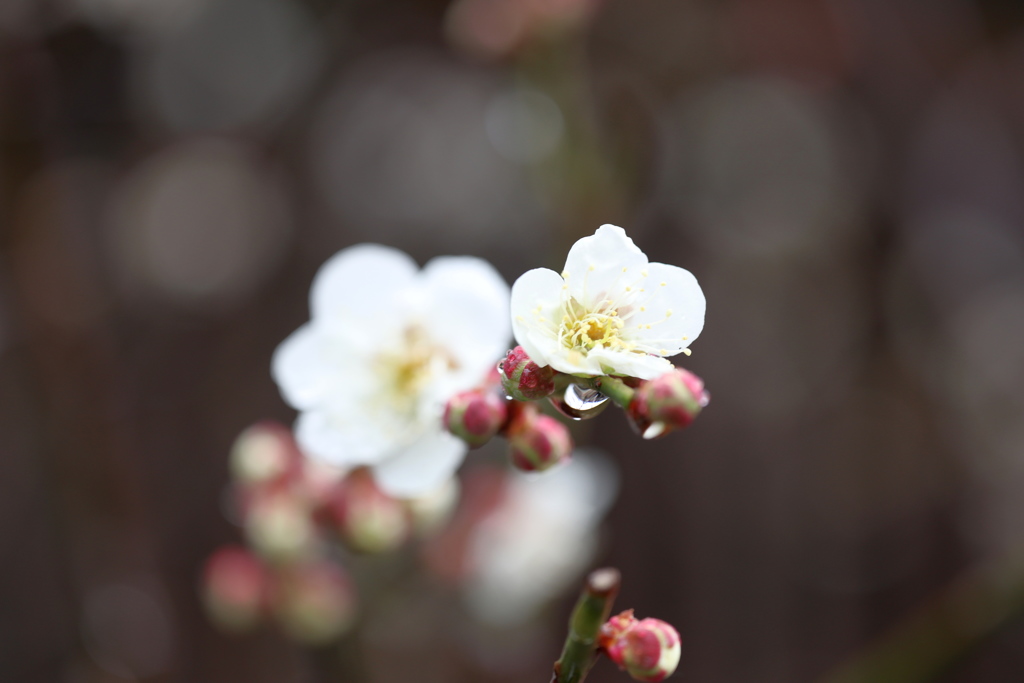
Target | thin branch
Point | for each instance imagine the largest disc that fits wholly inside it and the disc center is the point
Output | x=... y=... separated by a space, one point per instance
x=591 y=612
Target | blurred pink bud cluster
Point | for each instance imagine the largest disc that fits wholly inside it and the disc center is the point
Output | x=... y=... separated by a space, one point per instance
x=291 y=509
x=509 y=543
x=312 y=599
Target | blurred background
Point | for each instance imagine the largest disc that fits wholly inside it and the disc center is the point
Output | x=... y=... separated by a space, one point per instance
x=844 y=177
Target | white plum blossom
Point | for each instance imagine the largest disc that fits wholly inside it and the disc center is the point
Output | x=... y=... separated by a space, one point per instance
x=610 y=312
x=540 y=540
x=386 y=346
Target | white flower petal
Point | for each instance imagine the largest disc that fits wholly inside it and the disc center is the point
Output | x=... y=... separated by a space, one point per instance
x=421 y=467
x=576 y=362
x=629 y=363
x=361 y=286
x=673 y=314
x=298 y=367
x=536 y=303
x=602 y=265
x=466 y=311
x=539 y=540
x=339 y=440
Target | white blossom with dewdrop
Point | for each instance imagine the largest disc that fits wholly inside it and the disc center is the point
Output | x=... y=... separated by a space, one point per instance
x=610 y=312
x=386 y=346
x=540 y=540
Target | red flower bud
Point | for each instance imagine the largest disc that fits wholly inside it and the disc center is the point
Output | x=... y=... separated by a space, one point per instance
x=648 y=649
x=668 y=402
x=475 y=416
x=523 y=379
x=235 y=588
x=538 y=442
x=315 y=602
x=367 y=519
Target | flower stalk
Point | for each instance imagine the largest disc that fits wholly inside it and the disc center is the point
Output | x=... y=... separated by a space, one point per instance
x=615 y=389
x=591 y=612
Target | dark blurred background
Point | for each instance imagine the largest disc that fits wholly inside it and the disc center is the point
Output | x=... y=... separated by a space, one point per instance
x=844 y=177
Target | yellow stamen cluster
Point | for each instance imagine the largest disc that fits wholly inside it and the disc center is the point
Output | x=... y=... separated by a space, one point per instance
x=582 y=330
x=408 y=370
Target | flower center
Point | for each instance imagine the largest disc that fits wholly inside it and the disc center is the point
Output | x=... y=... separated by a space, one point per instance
x=584 y=330
x=407 y=371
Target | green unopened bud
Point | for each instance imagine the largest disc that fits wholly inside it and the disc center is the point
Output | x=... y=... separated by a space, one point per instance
x=367 y=519
x=279 y=526
x=316 y=602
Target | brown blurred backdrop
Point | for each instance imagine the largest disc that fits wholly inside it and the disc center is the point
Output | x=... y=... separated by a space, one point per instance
x=844 y=177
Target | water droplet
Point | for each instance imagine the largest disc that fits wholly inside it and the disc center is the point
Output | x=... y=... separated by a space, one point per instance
x=704 y=399
x=580 y=403
x=655 y=430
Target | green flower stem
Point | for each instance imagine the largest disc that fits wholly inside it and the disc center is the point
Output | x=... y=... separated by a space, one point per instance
x=591 y=612
x=967 y=612
x=615 y=389
x=612 y=387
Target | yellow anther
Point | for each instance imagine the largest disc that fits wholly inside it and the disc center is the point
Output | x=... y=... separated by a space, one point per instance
x=663 y=284
x=668 y=313
x=686 y=351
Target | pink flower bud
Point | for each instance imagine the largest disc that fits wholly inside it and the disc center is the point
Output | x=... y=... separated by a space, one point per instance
x=475 y=416
x=279 y=524
x=668 y=402
x=315 y=602
x=235 y=588
x=264 y=452
x=367 y=519
x=523 y=379
x=537 y=442
x=648 y=649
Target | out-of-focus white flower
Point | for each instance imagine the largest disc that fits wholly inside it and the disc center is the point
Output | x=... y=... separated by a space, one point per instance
x=610 y=312
x=387 y=345
x=539 y=541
